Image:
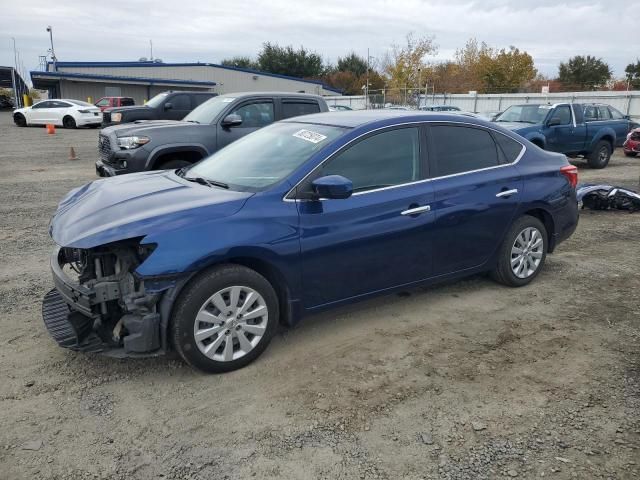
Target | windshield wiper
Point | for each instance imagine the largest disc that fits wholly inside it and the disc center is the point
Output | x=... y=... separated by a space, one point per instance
x=207 y=182
x=193 y=121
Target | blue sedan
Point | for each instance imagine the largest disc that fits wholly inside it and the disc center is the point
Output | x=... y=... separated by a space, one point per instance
x=303 y=215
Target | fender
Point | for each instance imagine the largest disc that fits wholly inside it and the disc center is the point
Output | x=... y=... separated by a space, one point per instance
x=173 y=148
x=603 y=132
x=537 y=137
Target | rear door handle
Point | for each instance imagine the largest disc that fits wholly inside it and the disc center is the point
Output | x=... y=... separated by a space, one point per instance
x=507 y=193
x=416 y=210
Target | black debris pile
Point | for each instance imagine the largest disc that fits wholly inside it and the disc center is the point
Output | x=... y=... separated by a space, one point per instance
x=608 y=197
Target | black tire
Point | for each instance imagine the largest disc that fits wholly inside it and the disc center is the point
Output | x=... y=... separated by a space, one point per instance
x=630 y=154
x=195 y=296
x=503 y=272
x=600 y=156
x=69 y=122
x=19 y=120
x=173 y=164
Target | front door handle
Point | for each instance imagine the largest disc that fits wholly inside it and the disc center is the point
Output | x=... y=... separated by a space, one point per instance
x=416 y=210
x=507 y=193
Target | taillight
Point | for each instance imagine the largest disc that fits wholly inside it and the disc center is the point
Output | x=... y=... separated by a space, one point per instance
x=571 y=173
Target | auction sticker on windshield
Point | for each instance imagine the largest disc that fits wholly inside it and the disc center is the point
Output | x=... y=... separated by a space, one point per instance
x=309 y=136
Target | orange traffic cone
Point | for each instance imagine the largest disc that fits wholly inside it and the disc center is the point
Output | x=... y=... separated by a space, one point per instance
x=72 y=154
x=51 y=129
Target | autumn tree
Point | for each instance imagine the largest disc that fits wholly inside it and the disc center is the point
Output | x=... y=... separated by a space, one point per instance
x=407 y=63
x=584 y=73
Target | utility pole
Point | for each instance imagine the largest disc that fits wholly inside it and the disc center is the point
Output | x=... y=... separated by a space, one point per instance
x=151 y=46
x=366 y=86
x=13 y=76
x=53 y=52
x=419 y=85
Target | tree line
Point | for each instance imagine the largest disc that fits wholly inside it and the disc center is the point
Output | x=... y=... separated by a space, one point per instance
x=475 y=67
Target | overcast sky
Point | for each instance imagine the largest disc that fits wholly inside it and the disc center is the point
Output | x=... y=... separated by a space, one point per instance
x=188 y=31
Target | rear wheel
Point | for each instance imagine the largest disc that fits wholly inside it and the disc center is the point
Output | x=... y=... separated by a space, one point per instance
x=68 y=122
x=173 y=164
x=19 y=120
x=224 y=319
x=630 y=154
x=522 y=254
x=600 y=156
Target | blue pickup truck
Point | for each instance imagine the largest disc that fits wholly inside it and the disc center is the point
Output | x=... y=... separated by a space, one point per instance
x=589 y=130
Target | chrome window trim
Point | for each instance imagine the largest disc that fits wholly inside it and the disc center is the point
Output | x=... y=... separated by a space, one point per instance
x=422 y=122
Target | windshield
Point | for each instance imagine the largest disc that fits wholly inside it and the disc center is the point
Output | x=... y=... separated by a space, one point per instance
x=266 y=156
x=157 y=100
x=525 y=113
x=209 y=110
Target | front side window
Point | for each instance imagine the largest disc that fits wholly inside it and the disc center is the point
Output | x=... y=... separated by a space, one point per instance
x=47 y=104
x=294 y=109
x=562 y=114
x=590 y=113
x=265 y=157
x=180 y=102
x=603 y=113
x=382 y=160
x=458 y=149
x=255 y=115
x=615 y=114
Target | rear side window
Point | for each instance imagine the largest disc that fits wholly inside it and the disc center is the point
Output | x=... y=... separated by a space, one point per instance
x=603 y=113
x=180 y=102
x=381 y=160
x=461 y=149
x=294 y=109
x=510 y=148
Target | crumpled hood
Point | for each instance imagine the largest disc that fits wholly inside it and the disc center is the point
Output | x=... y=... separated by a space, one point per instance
x=137 y=205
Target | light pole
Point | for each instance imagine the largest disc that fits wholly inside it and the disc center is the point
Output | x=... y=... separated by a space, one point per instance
x=419 y=85
x=13 y=75
x=53 y=53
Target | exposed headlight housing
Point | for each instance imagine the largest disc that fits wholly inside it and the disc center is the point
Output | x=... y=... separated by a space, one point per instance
x=129 y=143
x=116 y=117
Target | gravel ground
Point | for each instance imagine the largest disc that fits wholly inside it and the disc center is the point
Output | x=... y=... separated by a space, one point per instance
x=469 y=380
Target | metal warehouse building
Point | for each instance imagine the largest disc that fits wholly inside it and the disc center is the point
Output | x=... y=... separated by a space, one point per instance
x=142 y=80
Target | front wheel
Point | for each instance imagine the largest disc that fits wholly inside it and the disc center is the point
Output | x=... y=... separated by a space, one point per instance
x=19 y=120
x=224 y=319
x=522 y=253
x=68 y=122
x=600 y=156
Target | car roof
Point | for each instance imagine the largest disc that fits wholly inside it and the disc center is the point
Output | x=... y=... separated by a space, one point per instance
x=357 y=118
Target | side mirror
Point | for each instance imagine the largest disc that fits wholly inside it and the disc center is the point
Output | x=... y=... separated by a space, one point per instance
x=168 y=106
x=232 y=120
x=332 y=187
x=553 y=122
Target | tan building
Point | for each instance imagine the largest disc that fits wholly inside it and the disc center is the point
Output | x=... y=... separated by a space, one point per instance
x=143 y=80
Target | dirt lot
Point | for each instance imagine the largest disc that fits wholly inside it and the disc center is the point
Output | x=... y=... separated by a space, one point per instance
x=469 y=380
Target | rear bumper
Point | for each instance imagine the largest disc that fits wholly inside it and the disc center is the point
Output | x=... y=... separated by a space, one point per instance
x=86 y=120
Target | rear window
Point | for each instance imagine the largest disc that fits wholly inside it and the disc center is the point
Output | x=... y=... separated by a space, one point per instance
x=294 y=109
x=461 y=149
x=510 y=148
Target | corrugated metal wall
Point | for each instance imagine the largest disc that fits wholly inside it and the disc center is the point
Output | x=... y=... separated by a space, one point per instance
x=82 y=90
x=227 y=80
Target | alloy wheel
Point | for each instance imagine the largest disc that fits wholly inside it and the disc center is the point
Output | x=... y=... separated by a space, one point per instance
x=230 y=323
x=526 y=252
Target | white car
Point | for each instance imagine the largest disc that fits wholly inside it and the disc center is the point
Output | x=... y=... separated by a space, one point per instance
x=65 y=112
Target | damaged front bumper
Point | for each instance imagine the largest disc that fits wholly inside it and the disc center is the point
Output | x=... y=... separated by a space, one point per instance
x=106 y=309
